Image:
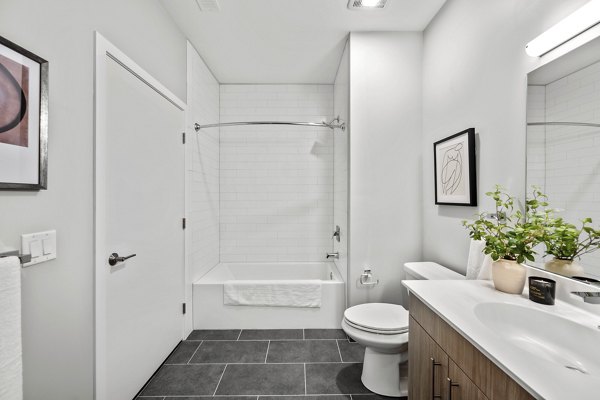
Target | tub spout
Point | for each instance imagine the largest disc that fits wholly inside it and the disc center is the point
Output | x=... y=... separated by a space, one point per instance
x=335 y=255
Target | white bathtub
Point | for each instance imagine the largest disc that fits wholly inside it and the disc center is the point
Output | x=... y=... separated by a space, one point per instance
x=210 y=312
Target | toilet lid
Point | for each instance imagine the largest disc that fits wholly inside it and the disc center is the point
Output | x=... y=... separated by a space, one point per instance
x=376 y=317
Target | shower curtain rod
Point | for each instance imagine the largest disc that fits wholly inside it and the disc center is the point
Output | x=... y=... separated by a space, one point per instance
x=590 y=124
x=335 y=123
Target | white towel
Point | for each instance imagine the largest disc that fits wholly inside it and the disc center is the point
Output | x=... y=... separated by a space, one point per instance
x=477 y=261
x=11 y=364
x=283 y=293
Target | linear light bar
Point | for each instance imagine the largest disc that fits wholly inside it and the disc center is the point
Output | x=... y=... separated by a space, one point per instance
x=573 y=25
x=366 y=4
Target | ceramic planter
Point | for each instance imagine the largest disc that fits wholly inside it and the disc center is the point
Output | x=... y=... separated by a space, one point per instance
x=508 y=276
x=564 y=267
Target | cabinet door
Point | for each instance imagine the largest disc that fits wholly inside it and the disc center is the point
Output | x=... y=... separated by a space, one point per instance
x=460 y=387
x=427 y=366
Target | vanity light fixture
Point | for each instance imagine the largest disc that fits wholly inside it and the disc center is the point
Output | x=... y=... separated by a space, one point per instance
x=575 y=24
x=366 y=4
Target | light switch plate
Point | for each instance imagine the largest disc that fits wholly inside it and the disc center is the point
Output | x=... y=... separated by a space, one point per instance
x=41 y=246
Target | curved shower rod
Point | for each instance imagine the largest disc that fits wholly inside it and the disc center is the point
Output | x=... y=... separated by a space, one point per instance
x=590 y=124
x=334 y=123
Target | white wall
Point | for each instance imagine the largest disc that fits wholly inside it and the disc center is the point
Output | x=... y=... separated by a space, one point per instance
x=58 y=295
x=341 y=104
x=474 y=75
x=276 y=181
x=385 y=161
x=202 y=174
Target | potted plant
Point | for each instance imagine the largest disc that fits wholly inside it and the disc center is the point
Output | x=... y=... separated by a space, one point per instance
x=567 y=244
x=509 y=237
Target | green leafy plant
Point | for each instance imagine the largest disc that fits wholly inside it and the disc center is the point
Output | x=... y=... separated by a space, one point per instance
x=507 y=233
x=565 y=241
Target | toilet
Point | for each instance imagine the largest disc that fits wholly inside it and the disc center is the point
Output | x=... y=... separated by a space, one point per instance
x=383 y=329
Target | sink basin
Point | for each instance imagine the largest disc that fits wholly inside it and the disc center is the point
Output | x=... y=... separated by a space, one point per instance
x=544 y=335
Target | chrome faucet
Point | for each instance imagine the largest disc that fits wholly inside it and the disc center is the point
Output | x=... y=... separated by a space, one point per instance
x=589 y=297
x=335 y=255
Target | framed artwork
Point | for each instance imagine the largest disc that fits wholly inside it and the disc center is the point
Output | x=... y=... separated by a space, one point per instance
x=454 y=166
x=23 y=119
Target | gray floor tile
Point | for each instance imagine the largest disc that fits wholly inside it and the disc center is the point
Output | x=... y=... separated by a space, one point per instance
x=231 y=352
x=324 y=334
x=334 y=379
x=271 y=334
x=184 y=380
x=212 y=398
x=214 y=334
x=303 y=351
x=351 y=352
x=262 y=379
x=183 y=352
x=330 y=397
x=374 y=396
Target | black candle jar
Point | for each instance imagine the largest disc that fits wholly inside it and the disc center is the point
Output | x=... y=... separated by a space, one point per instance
x=542 y=290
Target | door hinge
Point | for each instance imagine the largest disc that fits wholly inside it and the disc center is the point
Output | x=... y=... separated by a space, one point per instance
x=183 y=137
x=183 y=307
x=183 y=223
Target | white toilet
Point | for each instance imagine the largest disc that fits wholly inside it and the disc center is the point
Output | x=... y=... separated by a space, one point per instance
x=383 y=329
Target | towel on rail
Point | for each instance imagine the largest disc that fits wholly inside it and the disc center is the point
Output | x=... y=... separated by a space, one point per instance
x=274 y=293
x=11 y=364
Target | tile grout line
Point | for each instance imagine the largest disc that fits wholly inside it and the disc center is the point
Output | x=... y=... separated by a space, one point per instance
x=267 y=354
x=195 y=351
x=337 y=343
x=303 y=335
x=241 y=330
x=305 y=391
x=218 y=383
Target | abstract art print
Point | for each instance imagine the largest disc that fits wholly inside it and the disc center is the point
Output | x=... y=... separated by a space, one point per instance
x=23 y=118
x=454 y=166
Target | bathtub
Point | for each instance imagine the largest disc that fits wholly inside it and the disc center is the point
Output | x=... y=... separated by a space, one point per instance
x=209 y=312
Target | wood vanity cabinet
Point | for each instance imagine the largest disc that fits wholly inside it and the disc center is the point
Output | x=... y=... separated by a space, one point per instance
x=444 y=365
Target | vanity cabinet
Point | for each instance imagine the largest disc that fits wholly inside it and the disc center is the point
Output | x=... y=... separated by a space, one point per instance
x=444 y=365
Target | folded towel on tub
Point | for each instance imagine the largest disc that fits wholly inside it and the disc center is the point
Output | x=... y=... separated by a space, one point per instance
x=283 y=293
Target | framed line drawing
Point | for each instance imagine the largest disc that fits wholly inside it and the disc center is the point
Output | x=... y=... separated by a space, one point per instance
x=454 y=168
x=23 y=118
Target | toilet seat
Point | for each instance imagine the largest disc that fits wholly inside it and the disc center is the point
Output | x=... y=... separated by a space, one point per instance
x=379 y=318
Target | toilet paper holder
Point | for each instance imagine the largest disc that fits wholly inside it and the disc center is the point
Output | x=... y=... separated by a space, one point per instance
x=366 y=278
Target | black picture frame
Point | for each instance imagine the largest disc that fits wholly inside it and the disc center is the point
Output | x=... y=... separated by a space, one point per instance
x=36 y=127
x=454 y=160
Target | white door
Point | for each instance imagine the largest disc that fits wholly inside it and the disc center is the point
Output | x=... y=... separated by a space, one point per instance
x=139 y=209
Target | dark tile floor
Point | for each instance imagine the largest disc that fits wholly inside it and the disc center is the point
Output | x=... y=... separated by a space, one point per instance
x=252 y=364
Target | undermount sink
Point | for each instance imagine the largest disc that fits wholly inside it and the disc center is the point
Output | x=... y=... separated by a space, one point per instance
x=544 y=335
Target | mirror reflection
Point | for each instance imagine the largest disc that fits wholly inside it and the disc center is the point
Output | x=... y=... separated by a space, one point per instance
x=563 y=150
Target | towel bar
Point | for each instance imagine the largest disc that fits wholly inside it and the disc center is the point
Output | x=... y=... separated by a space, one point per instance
x=24 y=258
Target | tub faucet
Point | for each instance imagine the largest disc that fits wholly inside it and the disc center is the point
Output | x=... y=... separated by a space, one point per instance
x=589 y=297
x=335 y=255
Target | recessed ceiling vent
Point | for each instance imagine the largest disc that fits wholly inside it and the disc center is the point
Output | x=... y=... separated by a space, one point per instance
x=208 y=5
x=366 y=4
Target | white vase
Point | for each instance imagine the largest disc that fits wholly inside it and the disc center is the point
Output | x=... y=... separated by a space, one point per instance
x=564 y=267
x=508 y=276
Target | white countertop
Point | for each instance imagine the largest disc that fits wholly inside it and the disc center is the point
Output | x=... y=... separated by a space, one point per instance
x=454 y=302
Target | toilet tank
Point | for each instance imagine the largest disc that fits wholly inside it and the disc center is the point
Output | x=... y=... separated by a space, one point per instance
x=429 y=271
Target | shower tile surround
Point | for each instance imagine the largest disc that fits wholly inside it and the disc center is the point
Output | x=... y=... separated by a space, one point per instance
x=300 y=364
x=276 y=182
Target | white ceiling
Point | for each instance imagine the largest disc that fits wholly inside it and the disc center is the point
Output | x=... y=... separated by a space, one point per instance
x=287 y=41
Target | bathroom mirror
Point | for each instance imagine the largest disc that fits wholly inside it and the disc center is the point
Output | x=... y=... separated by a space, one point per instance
x=563 y=145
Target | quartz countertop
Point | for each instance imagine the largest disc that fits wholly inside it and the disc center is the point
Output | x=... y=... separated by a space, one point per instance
x=455 y=301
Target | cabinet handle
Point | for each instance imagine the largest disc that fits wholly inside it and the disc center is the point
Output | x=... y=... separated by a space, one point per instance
x=450 y=386
x=433 y=365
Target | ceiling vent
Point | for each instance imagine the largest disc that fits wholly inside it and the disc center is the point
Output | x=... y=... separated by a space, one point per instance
x=366 y=4
x=208 y=5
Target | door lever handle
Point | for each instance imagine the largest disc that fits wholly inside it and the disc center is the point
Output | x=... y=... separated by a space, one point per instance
x=114 y=258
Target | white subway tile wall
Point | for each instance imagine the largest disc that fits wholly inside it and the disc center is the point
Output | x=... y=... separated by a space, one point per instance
x=536 y=137
x=572 y=164
x=276 y=200
x=202 y=168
